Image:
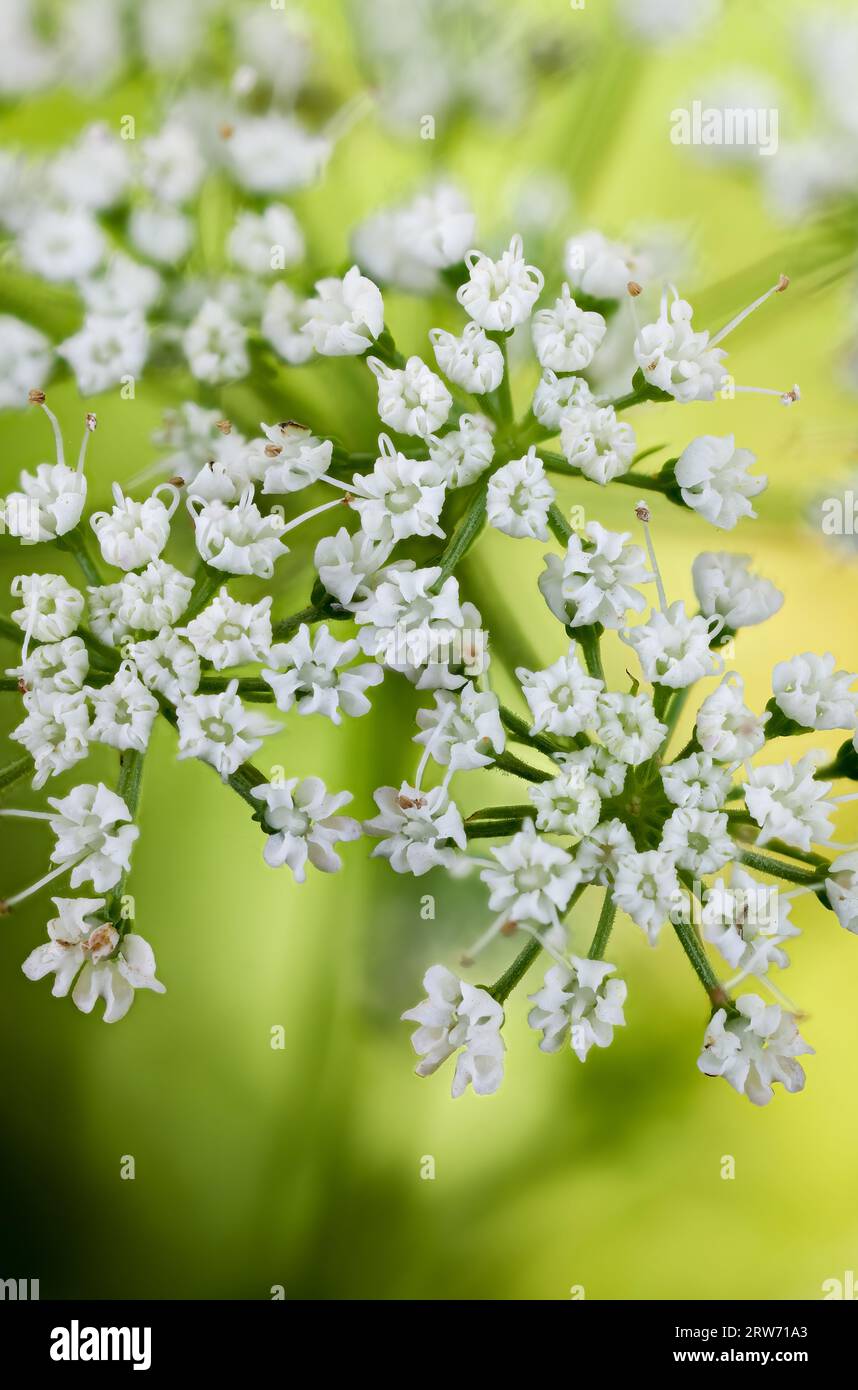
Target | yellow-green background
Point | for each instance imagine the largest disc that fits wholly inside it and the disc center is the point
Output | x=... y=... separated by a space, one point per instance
x=301 y=1167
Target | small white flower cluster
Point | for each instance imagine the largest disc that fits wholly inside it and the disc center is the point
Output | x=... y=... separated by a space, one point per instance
x=689 y=838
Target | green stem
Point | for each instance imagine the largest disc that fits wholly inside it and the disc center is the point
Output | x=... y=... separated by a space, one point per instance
x=559 y=526
x=128 y=786
x=520 y=730
x=75 y=543
x=588 y=640
x=287 y=627
x=503 y=394
x=207 y=581
x=15 y=771
x=497 y=829
x=507 y=982
x=692 y=947
x=765 y=865
x=487 y=812
x=603 y=928
x=463 y=537
x=508 y=762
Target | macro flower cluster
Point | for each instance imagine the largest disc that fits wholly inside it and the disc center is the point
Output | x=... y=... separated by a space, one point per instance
x=712 y=840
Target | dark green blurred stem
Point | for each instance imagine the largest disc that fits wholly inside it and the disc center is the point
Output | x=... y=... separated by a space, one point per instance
x=588 y=640
x=603 y=928
x=520 y=730
x=507 y=982
x=508 y=762
x=128 y=786
x=242 y=781
x=559 y=526
x=498 y=829
x=692 y=947
x=491 y=812
x=287 y=627
x=467 y=531
x=75 y=543
x=674 y=710
x=16 y=771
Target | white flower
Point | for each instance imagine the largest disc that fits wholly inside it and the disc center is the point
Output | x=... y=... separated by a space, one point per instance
x=275 y=153
x=726 y=728
x=697 y=840
x=59 y=667
x=562 y=698
x=579 y=1003
x=663 y=22
x=62 y=245
x=155 y=598
x=724 y=585
x=301 y=823
x=262 y=243
x=462 y=454
x=401 y=497
x=346 y=562
x=472 y=361
x=810 y=691
x=598 y=268
x=89 y=952
x=413 y=827
x=124 y=288
x=754 y=1049
x=566 y=338
x=500 y=294
x=568 y=804
x=673 y=648
x=556 y=396
x=215 y=345
x=238 y=540
x=228 y=633
x=105 y=350
x=535 y=879
x=423 y=634
x=219 y=730
x=167 y=664
x=677 y=360
x=463 y=731
x=51 y=608
x=104 y=602
x=788 y=803
x=406 y=246
x=411 y=399
x=748 y=922
x=135 y=532
x=696 y=783
x=123 y=711
x=282 y=323
x=599 y=855
x=50 y=503
x=519 y=497
x=345 y=316
x=172 y=166
x=308 y=673
x=603 y=772
x=93 y=836
x=160 y=232
x=647 y=888
x=628 y=727
x=92 y=173
x=594 y=582
x=714 y=479
x=841 y=886
x=458 y=1015
x=301 y=458
x=25 y=361
x=55 y=732
x=596 y=442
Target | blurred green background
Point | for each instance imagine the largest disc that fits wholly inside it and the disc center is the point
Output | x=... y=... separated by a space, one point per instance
x=301 y=1167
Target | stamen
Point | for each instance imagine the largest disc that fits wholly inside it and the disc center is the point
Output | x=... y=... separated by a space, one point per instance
x=546 y=946
x=430 y=744
x=468 y=957
x=38 y=398
x=344 y=487
x=782 y=284
x=27 y=815
x=16 y=898
x=89 y=429
x=789 y=397
x=315 y=511
x=642 y=513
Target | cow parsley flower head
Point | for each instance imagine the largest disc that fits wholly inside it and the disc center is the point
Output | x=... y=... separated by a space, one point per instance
x=594 y=582
x=596 y=442
x=265 y=242
x=534 y=879
x=579 y=1003
x=93 y=835
x=697 y=840
x=454 y=1016
x=218 y=729
x=725 y=587
x=562 y=698
x=726 y=728
x=25 y=361
x=598 y=268
x=411 y=399
x=401 y=497
x=673 y=647
x=106 y=351
x=499 y=295
x=519 y=497
x=461 y=455
x=134 y=533
x=313 y=673
x=239 y=539
x=215 y=345
x=123 y=711
x=788 y=803
x=565 y=337
x=346 y=316
x=628 y=726
x=346 y=563
x=472 y=361
x=416 y=830
x=754 y=1049
x=567 y=804
x=600 y=854
x=167 y=664
x=715 y=480
x=810 y=691
x=228 y=633
x=647 y=888
x=51 y=500
x=302 y=825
